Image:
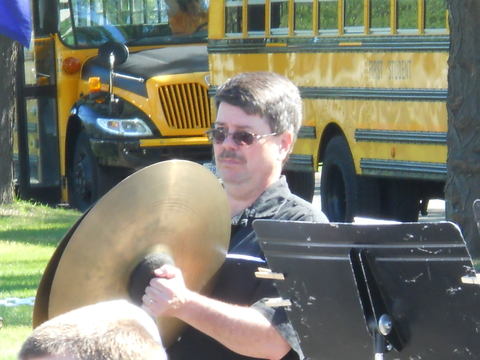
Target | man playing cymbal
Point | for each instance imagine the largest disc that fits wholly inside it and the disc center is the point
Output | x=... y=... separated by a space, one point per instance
x=258 y=118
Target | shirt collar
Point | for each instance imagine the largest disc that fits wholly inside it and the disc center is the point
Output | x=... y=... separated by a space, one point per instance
x=267 y=203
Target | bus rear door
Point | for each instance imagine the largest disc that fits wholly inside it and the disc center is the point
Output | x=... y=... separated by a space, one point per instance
x=36 y=165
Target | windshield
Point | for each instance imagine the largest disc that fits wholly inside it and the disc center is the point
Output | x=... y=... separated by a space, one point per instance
x=90 y=23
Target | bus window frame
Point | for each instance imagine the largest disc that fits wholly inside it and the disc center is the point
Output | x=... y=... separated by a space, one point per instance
x=280 y=31
x=354 y=30
x=234 y=4
x=326 y=32
x=305 y=32
x=255 y=33
x=380 y=30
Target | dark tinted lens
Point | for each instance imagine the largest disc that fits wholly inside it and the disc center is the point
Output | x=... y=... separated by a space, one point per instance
x=243 y=138
x=217 y=135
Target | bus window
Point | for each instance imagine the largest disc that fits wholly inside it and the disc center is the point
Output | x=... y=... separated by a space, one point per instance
x=98 y=22
x=256 y=17
x=150 y=22
x=407 y=16
x=279 y=17
x=379 y=16
x=303 y=18
x=39 y=65
x=328 y=16
x=140 y=10
x=354 y=10
x=435 y=19
x=66 y=24
x=233 y=18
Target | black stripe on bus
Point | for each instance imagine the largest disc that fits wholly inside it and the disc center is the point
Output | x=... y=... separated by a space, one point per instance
x=307 y=132
x=331 y=44
x=407 y=137
x=342 y=93
x=299 y=162
x=406 y=169
x=374 y=94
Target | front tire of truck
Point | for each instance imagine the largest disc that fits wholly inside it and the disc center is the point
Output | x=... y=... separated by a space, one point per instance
x=87 y=180
x=344 y=194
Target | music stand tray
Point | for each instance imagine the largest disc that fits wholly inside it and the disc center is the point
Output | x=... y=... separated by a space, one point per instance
x=393 y=291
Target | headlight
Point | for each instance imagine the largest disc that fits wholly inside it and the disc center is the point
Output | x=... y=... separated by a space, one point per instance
x=124 y=127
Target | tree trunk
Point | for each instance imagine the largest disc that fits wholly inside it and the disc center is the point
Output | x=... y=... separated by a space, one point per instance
x=463 y=107
x=8 y=65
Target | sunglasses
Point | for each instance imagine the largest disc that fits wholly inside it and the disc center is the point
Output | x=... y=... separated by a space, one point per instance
x=241 y=138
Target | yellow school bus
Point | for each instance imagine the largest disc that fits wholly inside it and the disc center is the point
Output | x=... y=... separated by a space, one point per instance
x=373 y=78
x=108 y=87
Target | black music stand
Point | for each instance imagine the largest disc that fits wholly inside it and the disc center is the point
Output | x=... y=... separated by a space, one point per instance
x=393 y=291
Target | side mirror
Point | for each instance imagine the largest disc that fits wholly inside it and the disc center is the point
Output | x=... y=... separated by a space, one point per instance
x=119 y=51
x=49 y=16
x=113 y=53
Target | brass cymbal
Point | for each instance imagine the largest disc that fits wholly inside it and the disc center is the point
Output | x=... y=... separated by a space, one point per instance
x=175 y=207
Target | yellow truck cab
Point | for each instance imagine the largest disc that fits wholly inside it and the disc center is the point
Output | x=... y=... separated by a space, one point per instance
x=119 y=90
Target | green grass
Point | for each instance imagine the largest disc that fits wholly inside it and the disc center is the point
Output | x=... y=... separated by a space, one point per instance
x=29 y=234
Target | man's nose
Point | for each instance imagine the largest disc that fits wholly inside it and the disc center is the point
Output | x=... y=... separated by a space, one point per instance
x=229 y=142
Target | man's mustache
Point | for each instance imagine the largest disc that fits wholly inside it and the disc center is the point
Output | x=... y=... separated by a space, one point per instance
x=231 y=154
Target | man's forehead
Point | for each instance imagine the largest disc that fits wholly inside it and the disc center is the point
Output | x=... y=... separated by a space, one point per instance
x=238 y=126
x=230 y=115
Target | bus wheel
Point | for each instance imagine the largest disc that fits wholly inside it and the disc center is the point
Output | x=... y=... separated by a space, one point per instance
x=84 y=184
x=301 y=183
x=344 y=194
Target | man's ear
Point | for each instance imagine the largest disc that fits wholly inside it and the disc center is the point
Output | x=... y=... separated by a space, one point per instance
x=285 y=145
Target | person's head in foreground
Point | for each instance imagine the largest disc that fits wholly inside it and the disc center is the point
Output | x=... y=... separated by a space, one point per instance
x=112 y=330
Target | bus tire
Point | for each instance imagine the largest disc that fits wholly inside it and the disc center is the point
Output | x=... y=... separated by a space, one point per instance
x=344 y=194
x=87 y=180
x=301 y=183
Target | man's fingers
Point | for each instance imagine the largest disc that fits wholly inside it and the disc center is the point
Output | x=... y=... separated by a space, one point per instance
x=167 y=271
x=155 y=291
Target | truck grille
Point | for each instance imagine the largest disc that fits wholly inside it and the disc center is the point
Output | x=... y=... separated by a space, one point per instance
x=186 y=106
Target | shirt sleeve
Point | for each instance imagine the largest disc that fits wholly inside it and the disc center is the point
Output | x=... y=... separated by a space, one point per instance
x=278 y=318
x=297 y=209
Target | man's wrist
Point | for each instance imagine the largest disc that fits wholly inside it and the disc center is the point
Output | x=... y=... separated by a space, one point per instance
x=186 y=304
